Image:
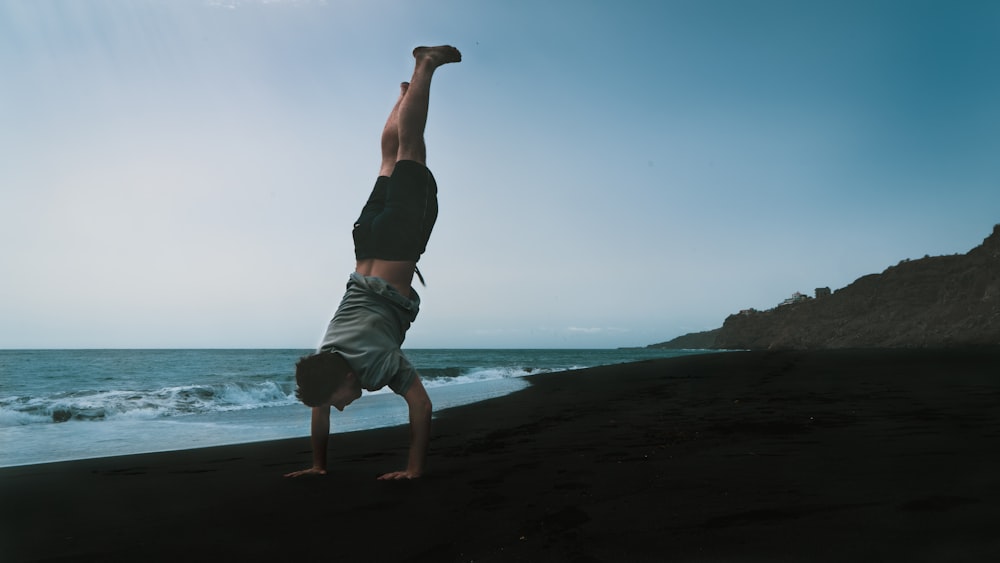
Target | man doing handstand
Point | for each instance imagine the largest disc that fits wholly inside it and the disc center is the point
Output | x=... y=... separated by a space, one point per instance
x=361 y=347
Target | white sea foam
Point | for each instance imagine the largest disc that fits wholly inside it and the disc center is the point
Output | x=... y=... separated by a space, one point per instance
x=473 y=375
x=182 y=400
x=10 y=417
x=165 y=402
x=106 y=405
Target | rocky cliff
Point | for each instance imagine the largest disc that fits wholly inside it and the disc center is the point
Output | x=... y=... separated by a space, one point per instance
x=941 y=301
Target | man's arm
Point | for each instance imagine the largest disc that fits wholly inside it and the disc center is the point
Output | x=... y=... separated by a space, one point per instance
x=420 y=432
x=319 y=436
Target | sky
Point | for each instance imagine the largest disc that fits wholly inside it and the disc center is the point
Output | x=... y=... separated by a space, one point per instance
x=185 y=173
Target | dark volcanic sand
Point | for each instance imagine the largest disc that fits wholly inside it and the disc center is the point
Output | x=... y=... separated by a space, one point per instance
x=745 y=456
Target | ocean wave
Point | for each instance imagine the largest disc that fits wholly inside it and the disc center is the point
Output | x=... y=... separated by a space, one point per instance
x=104 y=405
x=182 y=400
x=453 y=376
x=165 y=402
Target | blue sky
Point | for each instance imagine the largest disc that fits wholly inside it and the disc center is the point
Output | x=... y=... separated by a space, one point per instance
x=186 y=173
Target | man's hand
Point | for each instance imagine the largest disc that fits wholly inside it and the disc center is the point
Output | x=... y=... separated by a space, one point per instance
x=399 y=476
x=310 y=471
x=319 y=435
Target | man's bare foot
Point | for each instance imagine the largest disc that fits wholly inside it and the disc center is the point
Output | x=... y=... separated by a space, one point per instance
x=440 y=55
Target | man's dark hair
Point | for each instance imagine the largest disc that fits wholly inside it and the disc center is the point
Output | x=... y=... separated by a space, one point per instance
x=317 y=376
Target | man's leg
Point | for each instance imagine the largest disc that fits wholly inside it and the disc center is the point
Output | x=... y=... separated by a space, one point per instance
x=390 y=136
x=412 y=110
x=391 y=257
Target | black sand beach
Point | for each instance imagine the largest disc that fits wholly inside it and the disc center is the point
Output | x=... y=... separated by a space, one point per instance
x=744 y=456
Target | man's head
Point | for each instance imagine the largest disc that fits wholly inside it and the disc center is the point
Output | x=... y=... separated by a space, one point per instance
x=326 y=379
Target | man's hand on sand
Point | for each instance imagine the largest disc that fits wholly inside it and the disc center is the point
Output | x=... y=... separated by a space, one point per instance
x=310 y=471
x=399 y=476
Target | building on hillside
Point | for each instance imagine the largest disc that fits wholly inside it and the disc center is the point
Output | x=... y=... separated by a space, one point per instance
x=795 y=298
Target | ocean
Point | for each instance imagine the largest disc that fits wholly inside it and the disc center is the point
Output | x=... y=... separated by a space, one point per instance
x=58 y=405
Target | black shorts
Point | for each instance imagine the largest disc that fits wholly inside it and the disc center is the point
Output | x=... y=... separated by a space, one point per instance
x=397 y=221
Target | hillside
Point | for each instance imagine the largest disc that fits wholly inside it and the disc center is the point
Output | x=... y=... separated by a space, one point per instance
x=933 y=302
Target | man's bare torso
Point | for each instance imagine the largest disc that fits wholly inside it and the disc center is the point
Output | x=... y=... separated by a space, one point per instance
x=399 y=273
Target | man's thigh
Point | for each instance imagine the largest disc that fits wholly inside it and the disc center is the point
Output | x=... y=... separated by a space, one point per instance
x=397 y=221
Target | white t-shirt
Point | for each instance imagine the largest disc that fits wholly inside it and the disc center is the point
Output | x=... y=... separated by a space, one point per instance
x=368 y=330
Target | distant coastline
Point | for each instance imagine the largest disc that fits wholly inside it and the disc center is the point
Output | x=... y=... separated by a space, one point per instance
x=933 y=302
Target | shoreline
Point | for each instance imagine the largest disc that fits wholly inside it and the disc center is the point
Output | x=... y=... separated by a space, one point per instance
x=774 y=456
x=375 y=410
x=182 y=399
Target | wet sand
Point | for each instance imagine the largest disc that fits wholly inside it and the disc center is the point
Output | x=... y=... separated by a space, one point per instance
x=743 y=456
